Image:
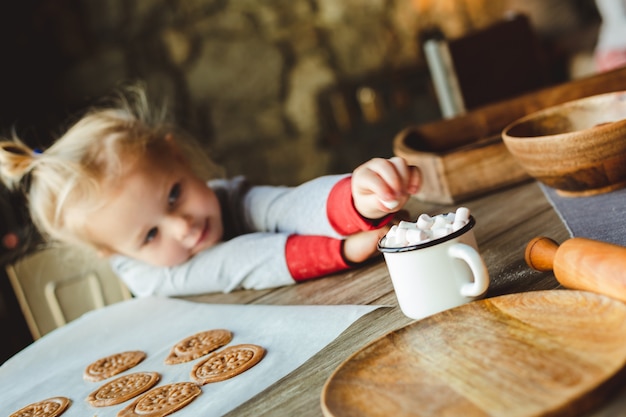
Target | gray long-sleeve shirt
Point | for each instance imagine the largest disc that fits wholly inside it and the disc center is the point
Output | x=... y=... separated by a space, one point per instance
x=257 y=222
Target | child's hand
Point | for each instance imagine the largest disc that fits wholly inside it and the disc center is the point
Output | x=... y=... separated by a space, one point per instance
x=361 y=246
x=382 y=186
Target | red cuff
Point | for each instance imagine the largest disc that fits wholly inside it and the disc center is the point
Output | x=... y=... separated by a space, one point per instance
x=313 y=256
x=342 y=214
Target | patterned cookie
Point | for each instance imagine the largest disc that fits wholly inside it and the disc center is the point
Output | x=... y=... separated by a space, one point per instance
x=112 y=365
x=162 y=401
x=227 y=363
x=52 y=407
x=123 y=388
x=198 y=345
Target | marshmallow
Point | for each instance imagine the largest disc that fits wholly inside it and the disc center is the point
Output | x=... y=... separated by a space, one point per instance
x=426 y=228
x=449 y=217
x=462 y=214
x=441 y=232
x=415 y=236
x=401 y=236
x=392 y=231
x=440 y=222
x=424 y=221
x=407 y=225
x=458 y=225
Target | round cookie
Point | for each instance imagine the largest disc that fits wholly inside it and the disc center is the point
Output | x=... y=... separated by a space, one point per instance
x=227 y=363
x=123 y=388
x=198 y=345
x=162 y=401
x=52 y=407
x=112 y=365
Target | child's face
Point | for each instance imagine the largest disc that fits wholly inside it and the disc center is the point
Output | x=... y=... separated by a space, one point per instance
x=160 y=213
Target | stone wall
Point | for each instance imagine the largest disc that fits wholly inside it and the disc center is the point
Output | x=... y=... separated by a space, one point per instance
x=280 y=90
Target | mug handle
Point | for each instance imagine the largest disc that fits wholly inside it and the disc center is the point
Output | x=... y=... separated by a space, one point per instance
x=471 y=257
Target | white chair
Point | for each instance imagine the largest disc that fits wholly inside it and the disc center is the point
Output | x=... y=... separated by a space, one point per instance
x=59 y=284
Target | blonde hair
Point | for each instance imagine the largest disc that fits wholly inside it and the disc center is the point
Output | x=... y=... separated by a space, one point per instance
x=68 y=176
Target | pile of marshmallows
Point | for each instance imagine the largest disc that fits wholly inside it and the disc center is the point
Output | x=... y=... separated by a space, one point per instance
x=426 y=228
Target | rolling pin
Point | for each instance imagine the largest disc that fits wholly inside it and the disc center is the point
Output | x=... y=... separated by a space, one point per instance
x=581 y=264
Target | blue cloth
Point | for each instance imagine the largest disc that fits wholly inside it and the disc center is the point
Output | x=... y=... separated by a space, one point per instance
x=599 y=217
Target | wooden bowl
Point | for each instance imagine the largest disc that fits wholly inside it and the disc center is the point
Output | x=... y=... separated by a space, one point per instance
x=578 y=148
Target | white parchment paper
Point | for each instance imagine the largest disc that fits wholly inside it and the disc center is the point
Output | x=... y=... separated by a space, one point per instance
x=54 y=365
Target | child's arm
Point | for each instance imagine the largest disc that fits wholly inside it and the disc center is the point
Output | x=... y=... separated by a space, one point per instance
x=380 y=187
x=301 y=210
x=309 y=246
x=335 y=205
x=362 y=225
x=250 y=261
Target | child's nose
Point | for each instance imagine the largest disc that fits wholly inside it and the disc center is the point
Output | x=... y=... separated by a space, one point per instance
x=180 y=226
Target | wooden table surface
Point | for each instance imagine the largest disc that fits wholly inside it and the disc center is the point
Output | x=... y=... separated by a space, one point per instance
x=506 y=221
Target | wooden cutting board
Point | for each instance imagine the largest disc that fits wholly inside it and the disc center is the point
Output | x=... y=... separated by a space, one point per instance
x=556 y=353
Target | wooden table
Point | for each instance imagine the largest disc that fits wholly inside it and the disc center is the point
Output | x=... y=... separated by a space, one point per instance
x=506 y=221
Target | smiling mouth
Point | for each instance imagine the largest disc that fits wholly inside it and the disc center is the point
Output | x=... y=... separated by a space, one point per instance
x=203 y=235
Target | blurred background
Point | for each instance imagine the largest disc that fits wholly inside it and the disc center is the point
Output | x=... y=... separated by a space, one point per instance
x=278 y=90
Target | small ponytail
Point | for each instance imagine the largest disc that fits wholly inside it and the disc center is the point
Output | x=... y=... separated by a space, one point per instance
x=16 y=161
x=66 y=183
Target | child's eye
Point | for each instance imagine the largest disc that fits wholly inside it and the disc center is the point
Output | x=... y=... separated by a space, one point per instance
x=174 y=194
x=151 y=235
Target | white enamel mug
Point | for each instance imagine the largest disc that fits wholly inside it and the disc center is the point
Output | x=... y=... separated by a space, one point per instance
x=437 y=275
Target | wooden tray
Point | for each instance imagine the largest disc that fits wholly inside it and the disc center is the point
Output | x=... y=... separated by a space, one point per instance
x=465 y=157
x=458 y=174
x=556 y=353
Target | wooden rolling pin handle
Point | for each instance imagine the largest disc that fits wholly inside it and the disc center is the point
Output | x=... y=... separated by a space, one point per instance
x=582 y=264
x=540 y=253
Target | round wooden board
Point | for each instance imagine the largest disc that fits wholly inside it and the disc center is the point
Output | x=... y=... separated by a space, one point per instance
x=554 y=353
